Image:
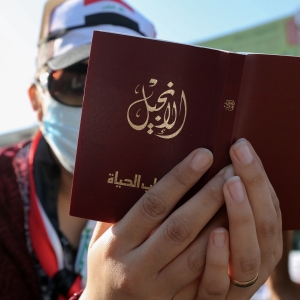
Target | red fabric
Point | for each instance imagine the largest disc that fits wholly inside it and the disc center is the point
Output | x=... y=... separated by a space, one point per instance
x=38 y=234
x=17 y=275
x=87 y=2
x=75 y=287
x=18 y=279
x=76 y=296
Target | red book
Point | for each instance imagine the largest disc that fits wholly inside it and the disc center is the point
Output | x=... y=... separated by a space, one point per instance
x=149 y=103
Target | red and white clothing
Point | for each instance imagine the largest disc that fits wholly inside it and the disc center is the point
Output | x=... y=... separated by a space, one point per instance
x=37 y=261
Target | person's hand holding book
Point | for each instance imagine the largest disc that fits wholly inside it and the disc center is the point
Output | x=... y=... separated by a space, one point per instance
x=154 y=254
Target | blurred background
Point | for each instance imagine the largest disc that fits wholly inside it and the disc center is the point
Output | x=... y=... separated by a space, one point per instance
x=269 y=26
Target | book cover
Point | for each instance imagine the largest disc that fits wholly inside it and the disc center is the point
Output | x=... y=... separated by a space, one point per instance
x=149 y=103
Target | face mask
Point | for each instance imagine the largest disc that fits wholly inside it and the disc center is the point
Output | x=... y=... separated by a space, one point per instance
x=60 y=127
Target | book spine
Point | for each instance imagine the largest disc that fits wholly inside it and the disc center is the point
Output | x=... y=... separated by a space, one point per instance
x=227 y=100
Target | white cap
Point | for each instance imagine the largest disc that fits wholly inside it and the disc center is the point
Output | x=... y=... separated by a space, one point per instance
x=72 y=23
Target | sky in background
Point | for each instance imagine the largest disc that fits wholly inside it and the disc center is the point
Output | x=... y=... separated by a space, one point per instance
x=185 y=21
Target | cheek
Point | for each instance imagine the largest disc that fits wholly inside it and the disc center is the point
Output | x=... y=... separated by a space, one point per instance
x=39 y=109
x=37 y=106
x=40 y=113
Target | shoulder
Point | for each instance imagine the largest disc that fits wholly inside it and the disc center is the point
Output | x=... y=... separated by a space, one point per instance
x=17 y=275
x=10 y=151
x=8 y=181
x=8 y=154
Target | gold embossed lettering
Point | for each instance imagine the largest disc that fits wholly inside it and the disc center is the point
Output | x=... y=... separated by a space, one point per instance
x=162 y=116
x=229 y=105
x=134 y=183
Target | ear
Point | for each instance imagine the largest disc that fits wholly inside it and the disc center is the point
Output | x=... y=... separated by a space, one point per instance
x=36 y=101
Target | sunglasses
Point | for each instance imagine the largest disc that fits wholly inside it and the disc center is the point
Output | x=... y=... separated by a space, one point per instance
x=67 y=85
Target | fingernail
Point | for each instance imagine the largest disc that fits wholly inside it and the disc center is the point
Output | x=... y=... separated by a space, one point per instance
x=219 y=237
x=235 y=188
x=228 y=172
x=201 y=160
x=243 y=152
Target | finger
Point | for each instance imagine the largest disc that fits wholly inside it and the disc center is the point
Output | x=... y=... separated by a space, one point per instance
x=184 y=224
x=215 y=280
x=247 y=166
x=159 y=201
x=189 y=265
x=278 y=247
x=244 y=248
x=271 y=189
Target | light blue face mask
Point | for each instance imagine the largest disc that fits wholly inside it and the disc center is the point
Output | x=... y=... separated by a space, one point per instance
x=60 y=127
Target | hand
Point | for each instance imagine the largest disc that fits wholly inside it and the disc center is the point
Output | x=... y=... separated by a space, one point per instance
x=254 y=229
x=144 y=257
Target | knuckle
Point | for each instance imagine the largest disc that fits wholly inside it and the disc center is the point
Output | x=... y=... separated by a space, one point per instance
x=268 y=228
x=177 y=231
x=258 y=180
x=217 y=266
x=196 y=261
x=153 y=205
x=112 y=251
x=113 y=243
x=214 y=289
x=249 y=265
x=182 y=178
x=213 y=196
x=241 y=221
